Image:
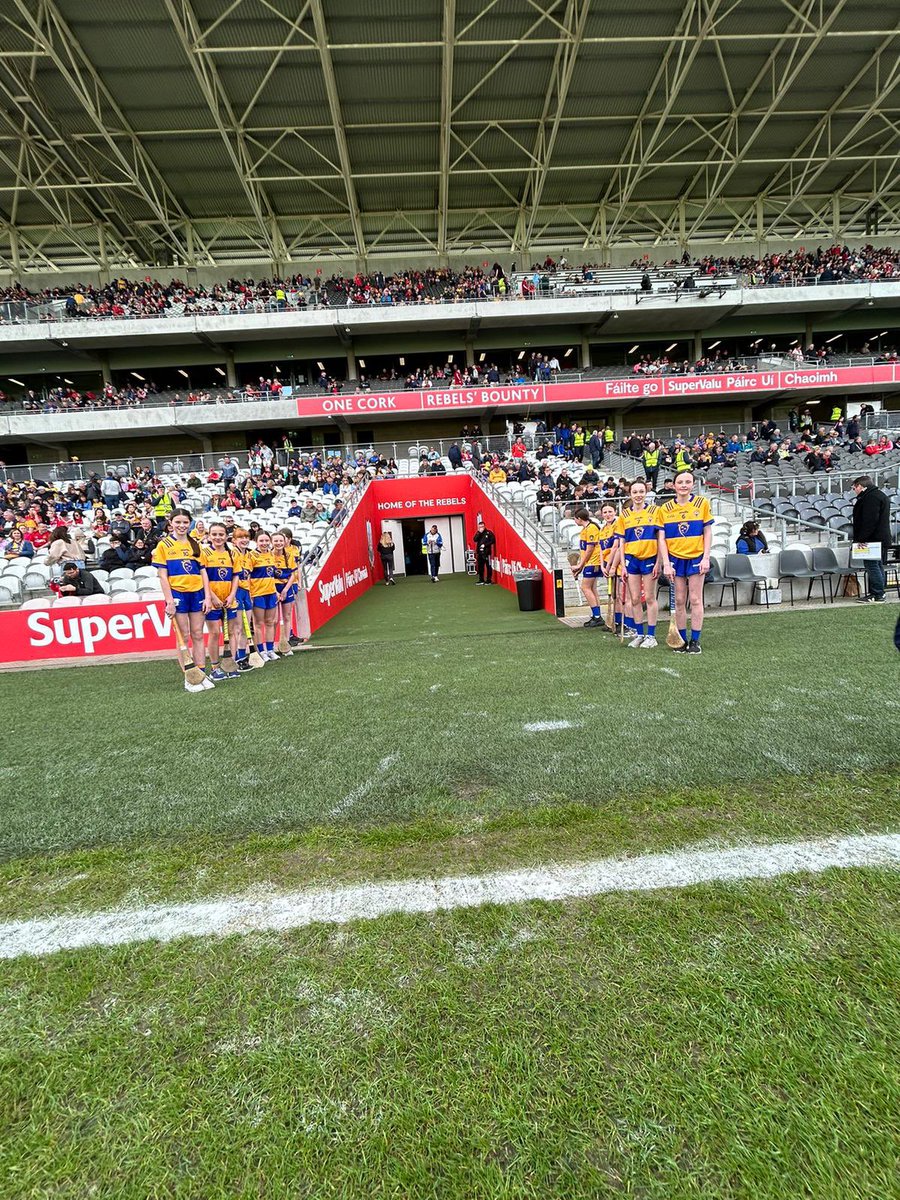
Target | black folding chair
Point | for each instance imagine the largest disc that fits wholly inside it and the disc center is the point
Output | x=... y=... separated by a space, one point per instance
x=717 y=578
x=739 y=568
x=825 y=560
x=794 y=566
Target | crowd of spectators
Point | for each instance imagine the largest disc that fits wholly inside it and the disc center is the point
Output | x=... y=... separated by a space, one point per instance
x=117 y=519
x=124 y=298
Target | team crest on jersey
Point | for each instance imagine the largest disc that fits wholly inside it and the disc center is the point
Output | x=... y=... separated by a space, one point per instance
x=222 y=573
x=270 y=571
x=684 y=528
x=187 y=566
x=638 y=533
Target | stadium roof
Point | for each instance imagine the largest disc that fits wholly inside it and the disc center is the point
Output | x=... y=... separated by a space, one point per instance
x=173 y=132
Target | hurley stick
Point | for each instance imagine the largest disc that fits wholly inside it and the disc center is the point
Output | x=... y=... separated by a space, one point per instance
x=192 y=673
x=253 y=658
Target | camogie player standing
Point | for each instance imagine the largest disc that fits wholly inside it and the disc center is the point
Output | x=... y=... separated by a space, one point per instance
x=240 y=540
x=221 y=578
x=263 y=595
x=685 y=536
x=589 y=565
x=637 y=530
x=285 y=556
x=177 y=561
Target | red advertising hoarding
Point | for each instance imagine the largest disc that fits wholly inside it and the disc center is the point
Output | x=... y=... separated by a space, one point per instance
x=635 y=387
x=88 y=631
x=348 y=570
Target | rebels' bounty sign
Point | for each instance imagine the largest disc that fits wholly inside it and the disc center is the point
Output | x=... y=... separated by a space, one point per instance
x=636 y=387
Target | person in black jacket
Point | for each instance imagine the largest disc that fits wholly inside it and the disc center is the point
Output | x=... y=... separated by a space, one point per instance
x=872 y=523
x=484 y=542
x=116 y=556
x=77 y=582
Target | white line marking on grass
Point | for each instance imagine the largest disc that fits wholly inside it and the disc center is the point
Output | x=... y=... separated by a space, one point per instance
x=335 y=906
x=670 y=671
x=547 y=726
x=364 y=788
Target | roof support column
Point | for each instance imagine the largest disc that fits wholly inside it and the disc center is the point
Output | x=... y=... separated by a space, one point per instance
x=14 y=252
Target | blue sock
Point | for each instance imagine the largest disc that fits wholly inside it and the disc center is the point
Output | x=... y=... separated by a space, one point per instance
x=695 y=635
x=639 y=628
x=270 y=646
x=651 y=630
x=595 y=610
x=629 y=622
x=683 y=633
x=241 y=654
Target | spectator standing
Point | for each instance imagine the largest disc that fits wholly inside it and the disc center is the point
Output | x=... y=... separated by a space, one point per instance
x=386 y=550
x=432 y=544
x=484 y=542
x=872 y=523
x=651 y=464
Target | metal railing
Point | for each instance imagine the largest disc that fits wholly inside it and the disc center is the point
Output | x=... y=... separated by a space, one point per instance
x=315 y=557
x=515 y=514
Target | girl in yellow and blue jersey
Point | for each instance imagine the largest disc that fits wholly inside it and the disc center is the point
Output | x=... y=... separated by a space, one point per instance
x=286 y=557
x=607 y=521
x=685 y=537
x=264 y=595
x=637 y=547
x=177 y=561
x=220 y=577
x=240 y=549
x=590 y=564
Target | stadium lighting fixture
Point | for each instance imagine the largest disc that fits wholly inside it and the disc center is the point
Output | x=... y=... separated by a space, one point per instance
x=634 y=347
x=18 y=381
x=882 y=334
x=182 y=371
x=278 y=370
x=402 y=361
x=828 y=341
x=482 y=356
x=321 y=366
x=520 y=356
x=795 y=341
x=712 y=345
x=449 y=358
x=140 y=377
x=568 y=352
x=668 y=348
x=810 y=403
x=362 y=363
x=70 y=382
x=219 y=371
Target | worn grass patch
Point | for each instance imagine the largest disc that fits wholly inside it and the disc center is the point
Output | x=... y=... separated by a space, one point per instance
x=723 y=1042
x=195 y=867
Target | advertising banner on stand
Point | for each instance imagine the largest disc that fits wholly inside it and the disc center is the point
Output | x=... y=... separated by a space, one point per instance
x=728 y=385
x=349 y=570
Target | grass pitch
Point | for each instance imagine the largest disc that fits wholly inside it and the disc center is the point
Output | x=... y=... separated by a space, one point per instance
x=720 y=1041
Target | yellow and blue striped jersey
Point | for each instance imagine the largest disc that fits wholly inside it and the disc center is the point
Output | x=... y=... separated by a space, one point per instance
x=683 y=526
x=220 y=571
x=638 y=528
x=590 y=540
x=286 y=563
x=262 y=572
x=180 y=563
x=607 y=539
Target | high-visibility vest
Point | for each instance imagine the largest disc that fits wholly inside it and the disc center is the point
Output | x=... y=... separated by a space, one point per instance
x=163 y=507
x=682 y=462
x=579 y=438
x=836 y=412
x=651 y=459
x=608 y=436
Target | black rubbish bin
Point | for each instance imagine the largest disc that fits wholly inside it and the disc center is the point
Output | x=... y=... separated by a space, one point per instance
x=530 y=590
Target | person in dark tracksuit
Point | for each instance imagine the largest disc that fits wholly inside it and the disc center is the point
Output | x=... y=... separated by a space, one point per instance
x=484 y=542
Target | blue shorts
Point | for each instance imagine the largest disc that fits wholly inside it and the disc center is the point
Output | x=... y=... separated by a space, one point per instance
x=188 y=602
x=639 y=566
x=290 y=595
x=682 y=568
x=242 y=599
x=215 y=614
x=266 y=602
x=591 y=572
